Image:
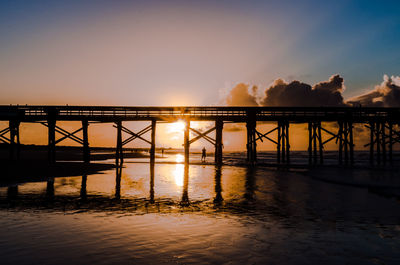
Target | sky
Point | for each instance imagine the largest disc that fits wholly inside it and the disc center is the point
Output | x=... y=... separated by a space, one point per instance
x=188 y=52
x=160 y=53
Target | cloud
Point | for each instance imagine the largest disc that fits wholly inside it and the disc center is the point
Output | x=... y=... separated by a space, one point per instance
x=240 y=96
x=387 y=94
x=230 y=127
x=323 y=94
x=298 y=94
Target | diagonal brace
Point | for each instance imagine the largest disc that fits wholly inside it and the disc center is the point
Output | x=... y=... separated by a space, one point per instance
x=261 y=136
x=2 y=137
x=69 y=135
x=203 y=135
x=66 y=134
x=135 y=135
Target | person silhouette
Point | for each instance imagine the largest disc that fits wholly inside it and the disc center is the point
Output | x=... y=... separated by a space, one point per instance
x=203 y=154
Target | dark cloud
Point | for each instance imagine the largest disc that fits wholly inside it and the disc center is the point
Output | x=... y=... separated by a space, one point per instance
x=298 y=94
x=327 y=93
x=240 y=96
x=387 y=94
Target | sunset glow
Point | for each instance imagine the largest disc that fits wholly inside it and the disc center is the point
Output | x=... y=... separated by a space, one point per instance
x=199 y=132
x=176 y=127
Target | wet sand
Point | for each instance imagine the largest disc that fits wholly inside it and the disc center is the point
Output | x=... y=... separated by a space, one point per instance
x=201 y=214
x=68 y=153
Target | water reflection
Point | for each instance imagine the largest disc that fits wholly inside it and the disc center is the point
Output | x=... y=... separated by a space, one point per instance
x=178 y=174
x=118 y=173
x=83 y=187
x=152 y=182
x=238 y=211
x=241 y=190
x=185 y=193
x=12 y=192
x=50 y=189
x=250 y=184
x=218 y=187
x=179 y=158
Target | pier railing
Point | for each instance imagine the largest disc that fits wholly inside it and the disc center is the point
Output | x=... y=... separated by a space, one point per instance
x=107 y=113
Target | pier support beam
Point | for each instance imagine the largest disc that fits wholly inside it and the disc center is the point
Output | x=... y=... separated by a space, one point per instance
x=52 y=142
x=346 y=144
x=217 y=142
x=86 y=148
x=186 y=143
x=153 y=141
x=371 y=142
x=315 y=144
x=51 y=124
x=382 y=141
x=219 y=124
x=119 y=155
x=283 y=145
x=351 y=143
x=119 y=160
x=251 y=142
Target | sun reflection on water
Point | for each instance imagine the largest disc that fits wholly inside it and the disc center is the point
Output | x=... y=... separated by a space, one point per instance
x=179 y=158
x=179 y=170
x=178 y=174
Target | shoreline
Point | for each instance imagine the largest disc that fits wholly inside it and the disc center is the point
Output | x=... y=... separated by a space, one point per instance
x=34 y=171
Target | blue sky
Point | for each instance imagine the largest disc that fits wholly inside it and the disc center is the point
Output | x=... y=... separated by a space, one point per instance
x=187 y=52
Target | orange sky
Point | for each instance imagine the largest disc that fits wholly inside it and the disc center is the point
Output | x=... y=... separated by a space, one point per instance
x=185 y=53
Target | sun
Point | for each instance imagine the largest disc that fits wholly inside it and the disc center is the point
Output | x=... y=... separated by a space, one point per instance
x=177 y=127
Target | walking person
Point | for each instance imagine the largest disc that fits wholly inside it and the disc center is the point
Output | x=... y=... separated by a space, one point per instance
x=203 y=154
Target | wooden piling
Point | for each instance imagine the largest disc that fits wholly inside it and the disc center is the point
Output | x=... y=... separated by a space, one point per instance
x=371 y=142
x=119 y=159
x=321 y=158
x=51 y=140
x=153 y=140
x=287 y=143
x=86 y=149
x=186 y=143
x=383 y=124
x=315 y=142
x=251 y=140
x=351 y=142
x=218 y=141
x=378 y=144
x=278 y=146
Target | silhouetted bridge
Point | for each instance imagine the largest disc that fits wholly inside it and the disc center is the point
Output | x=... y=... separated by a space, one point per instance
x=383 y=124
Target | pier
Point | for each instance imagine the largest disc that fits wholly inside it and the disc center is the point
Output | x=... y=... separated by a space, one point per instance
x=382 y=123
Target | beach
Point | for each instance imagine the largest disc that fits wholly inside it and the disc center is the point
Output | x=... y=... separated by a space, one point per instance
x=171 y=214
